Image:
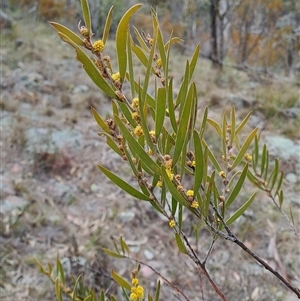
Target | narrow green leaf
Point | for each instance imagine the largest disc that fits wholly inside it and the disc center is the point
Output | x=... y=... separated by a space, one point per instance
x=94 y=74
x=100 y=121
x=58 y=291
x=141 y=56
x=205 y=165
x=180 y=244
x=124 y=246
x=121 y=39
x=130 y=67
x=198 y=162
x=244 y=148
x=88 y=298
x=194 y=60
x=181 y=97
x=173 y=41
x=125 y=294
x=107 y=25
x=137 y=147
x=291 y=214
x=102 y=296
x=173 y=190
x=233 y=126
x=124 y=185
x=74 y=294
x=254 y=180
x=263 y=160
x=86 y=15
x=203 y=123
x=174 y=206
x=232 y=179
x=116 y=246
x=171 y=111
x=279 y=182
x=60 y=269
x=182 y=161
x=181 y=136
x=162 y=53
x=237 y=188
x=160 y=111
x=112 y=253
x=241 y=210
x=209 y=190
x=68 y=33
x=157 y=292
x=43 y=271
x=264 y=176
x=111 y=143
x=212 y=157
x=224 y=136
x=112 y=298
x=132 y=165
x=255 y=154
x=216 y=126
x=149 y=99
x=120 y=280
x=90 y=68
x=141 y=40
x=149 y=67
x=280 y=197
x=144 y=123
x=243 y=123
x=273 y=178
x=127 y=113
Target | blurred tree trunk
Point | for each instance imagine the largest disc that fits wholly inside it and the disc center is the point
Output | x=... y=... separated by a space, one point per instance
x=4 y=4
x=214 y=9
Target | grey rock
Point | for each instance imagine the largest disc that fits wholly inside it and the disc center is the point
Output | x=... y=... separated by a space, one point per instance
x=63 y=193
x=80 y=89
x=12 y=202
x=241 y=102
x=148 y=254
x=41 y=140
x=5 y=20
x=126 y=216
x=292 y=178
x=282 y=147
x=257 y=120
x=290 y=113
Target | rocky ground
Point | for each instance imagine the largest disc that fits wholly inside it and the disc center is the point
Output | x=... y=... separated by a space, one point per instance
x=54 y=200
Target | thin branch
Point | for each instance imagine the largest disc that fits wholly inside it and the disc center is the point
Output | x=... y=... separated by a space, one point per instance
x=197 y=261
x=255 y=256
x=161 y=276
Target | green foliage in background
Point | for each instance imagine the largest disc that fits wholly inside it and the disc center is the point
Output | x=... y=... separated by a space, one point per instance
x=162 y=136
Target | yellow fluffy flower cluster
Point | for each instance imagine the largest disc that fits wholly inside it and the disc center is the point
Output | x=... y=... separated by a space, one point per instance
x=137 y=291
x=135 y=103
x=98 y=46
x=172 y=223
x=138 y=131
x=159 y=63
x=115 y=76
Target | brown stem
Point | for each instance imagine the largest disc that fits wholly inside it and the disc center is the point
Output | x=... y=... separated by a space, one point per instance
x=201 y=265
x=162 y=277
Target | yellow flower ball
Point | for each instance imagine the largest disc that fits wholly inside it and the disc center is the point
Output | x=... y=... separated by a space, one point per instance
x=98 y=46
x=172 y=223
x=116 y=76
